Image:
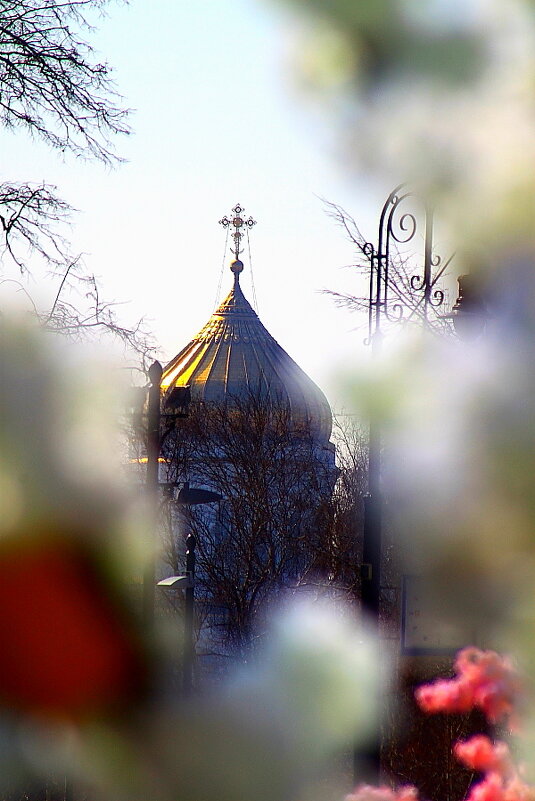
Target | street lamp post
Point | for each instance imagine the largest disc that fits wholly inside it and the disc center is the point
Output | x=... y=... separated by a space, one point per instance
x=385 y=304
x=176 y=401
x=189 y=647
x=153 y=459
x=192 y=497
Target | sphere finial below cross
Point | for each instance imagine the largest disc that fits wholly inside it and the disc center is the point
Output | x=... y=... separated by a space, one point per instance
x=236 y=265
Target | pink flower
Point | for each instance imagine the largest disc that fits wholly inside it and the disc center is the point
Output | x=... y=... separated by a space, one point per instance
x=490 y=789
x=480 y=753
x=495 y=682
x=446 y=696
x=517 y=790
x=495 y=788
x=484 y=679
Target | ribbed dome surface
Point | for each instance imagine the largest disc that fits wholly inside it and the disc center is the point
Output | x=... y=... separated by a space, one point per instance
x=234 y=354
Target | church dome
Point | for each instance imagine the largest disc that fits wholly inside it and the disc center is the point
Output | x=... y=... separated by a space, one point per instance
x=235 y=355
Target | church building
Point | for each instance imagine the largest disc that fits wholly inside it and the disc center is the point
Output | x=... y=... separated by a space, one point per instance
x=258 y=433
x=235 y=356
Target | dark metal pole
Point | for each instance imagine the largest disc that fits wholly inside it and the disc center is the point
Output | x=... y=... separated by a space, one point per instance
x=153 y=457
x=371 y=546
x=367 y=765
x=395 y=226
x=371 y=538
x=189 y=647
x=378 y=301
x=428 y=261
x=367 y=761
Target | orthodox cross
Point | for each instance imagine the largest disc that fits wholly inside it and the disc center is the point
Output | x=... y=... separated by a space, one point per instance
x=240 y=224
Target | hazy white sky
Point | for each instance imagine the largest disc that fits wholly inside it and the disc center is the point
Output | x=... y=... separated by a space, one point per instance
x=218 y=120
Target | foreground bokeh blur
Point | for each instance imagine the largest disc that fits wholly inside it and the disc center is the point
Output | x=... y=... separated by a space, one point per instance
x=439 y=93
x=83 y=689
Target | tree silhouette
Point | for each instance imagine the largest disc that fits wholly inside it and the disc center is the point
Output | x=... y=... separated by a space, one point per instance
x=288 y=521
x=52 y=87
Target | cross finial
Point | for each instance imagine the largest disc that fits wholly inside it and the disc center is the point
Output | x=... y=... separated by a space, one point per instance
x=239 y=223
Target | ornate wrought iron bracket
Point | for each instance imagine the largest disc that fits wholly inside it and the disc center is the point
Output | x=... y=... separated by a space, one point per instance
x=398 y=225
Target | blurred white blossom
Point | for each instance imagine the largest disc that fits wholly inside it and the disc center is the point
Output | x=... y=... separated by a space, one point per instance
x=322 y=668
x=438 y=93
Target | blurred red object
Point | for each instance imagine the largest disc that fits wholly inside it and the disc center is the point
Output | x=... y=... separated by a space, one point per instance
x=68 y=647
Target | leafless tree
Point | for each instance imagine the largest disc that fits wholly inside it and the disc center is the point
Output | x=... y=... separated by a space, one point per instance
x=287 y=520
x=29 y=216
x=50 y=82
x=343 y=516
x=31 y=221
x=52 y=86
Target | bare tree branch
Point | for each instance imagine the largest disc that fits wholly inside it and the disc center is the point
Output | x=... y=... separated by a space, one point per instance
x=50 y=82
x=52 y=85
x=31 y=216
x=92 y=315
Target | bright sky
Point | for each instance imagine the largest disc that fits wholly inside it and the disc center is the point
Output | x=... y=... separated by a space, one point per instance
x=218 y=121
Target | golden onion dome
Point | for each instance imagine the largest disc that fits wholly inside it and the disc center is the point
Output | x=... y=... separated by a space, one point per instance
x=235 y=355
